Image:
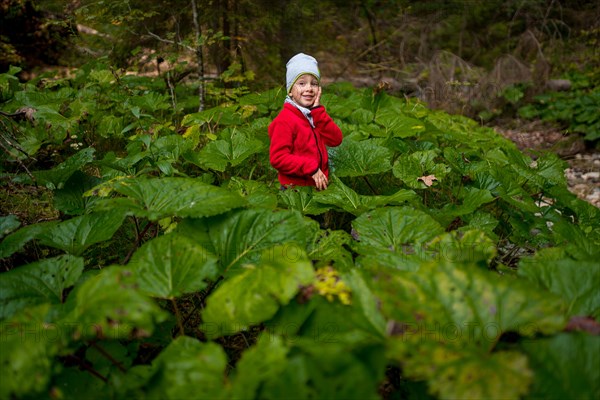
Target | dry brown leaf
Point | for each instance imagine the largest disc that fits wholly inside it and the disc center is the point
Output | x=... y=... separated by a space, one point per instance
x=29 y=112
x=427 y=180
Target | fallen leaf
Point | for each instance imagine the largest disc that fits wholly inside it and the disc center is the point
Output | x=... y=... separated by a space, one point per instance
x=29 y=113
x=427 y=180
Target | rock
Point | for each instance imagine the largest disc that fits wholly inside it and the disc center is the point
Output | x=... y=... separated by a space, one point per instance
x=591 y=176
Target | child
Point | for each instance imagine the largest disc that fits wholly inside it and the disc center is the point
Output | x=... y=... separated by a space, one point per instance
x=302 y=130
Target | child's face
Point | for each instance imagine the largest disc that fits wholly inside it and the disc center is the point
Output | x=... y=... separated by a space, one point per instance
x=304 y=91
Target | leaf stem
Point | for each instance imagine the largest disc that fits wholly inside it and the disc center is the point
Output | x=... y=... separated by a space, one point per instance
x=251 y=172
x=178 y=316
x=370 y=186
x=137 y=240
x=108 y=356
x=86 y=366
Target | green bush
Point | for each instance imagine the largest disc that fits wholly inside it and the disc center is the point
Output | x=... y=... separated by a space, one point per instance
x=179 y=269
x=576 y=109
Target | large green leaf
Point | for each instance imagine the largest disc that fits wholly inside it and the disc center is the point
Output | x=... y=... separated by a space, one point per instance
x=471 y=199
x=391 y=228
x=232 y=150
x=576 y=281
x=55 y=122
x=70 y=199
x=262 y=363
x=110 y=126
x=258 y=194
x=483 y=221
x=255 y=295
x=170 y=148
x=398 y=124
x=410 y=167
x=57 y=176
x=77 y=234
x=387 y=237
x=306 y=369
x=548 y=170
x=152 y=101
x=8 y=224
x=511 y=189
x=172 y=265
x=329 y=370
x=18 y=239
x=156 y=199
x=302 y=198
x=327 y=247
x=338 y=307
x=37 y=283
x=28 y=345
x=240 y=236
x=74 y=235
x=460 y=296
x=566 y=366
x=468 y=245
x=583 y=246
x=361 y=116
x=341 y=196
x=188 y=368
x=446 y=319
x=367 y=314
x=463 y=373
x=110 y=305
x=401 y=260
x=360 y=158
x=222 y=115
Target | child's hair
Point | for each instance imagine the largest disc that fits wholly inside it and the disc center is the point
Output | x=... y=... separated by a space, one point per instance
x=299 y=65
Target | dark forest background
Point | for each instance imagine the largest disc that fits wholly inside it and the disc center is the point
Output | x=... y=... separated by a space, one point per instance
x=391 y=38
x=483 y=59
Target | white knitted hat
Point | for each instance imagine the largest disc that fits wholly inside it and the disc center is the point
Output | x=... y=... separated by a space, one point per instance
x=298 y=65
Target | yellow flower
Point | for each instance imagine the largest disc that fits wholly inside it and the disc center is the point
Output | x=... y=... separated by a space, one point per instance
x=330 y=286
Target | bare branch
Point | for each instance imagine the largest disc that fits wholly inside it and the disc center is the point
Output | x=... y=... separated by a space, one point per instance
x=161 y=39
x=7 y=150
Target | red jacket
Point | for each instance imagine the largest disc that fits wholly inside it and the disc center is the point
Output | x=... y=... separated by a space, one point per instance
x=297 y=150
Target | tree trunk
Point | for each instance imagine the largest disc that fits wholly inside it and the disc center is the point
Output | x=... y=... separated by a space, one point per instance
x=199 y=56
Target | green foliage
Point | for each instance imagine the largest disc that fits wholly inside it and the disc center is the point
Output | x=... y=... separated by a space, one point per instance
x=55 y=178
x=552 y=358
x=255 y=295
x=447 y=338
x=576 y=109
x=187 y=368
x=575 y=281
x=27 y=359
x=160 y=198
x=8 y=224
x=172 y=265
x=73 y=236
x=360 y=158
x=438 y=248
x=233 y=150
x=239 y=237
x=38 y=283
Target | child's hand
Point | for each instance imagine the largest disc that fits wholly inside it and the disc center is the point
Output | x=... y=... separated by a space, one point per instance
x=320 y=180
x=317 y=98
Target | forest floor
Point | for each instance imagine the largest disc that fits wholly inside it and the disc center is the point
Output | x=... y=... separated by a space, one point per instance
x=583 y=174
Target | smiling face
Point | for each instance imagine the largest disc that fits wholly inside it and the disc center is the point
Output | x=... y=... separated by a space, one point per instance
x=304 y=90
